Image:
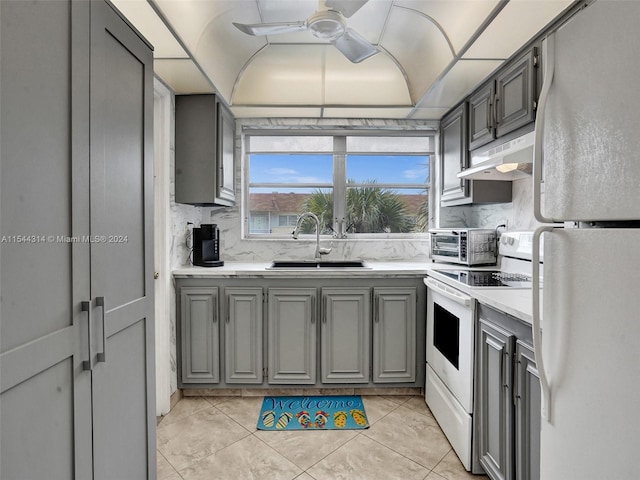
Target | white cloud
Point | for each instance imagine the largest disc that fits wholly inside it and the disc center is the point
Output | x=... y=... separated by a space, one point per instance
x=282 y=171
x=413 y=174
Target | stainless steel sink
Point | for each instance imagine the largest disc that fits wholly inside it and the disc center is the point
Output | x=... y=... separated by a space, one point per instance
x=315 y=264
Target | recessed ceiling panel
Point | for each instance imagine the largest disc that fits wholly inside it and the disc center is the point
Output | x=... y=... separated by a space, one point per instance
x=458 y=82
x=190 y=18
x=419 y=46
x=145 y=19
x=375 y=81
x=283 y=75
x=366 y=112
x=182 y=76
x=460 y=19
x=516 y=24
x=279 y=112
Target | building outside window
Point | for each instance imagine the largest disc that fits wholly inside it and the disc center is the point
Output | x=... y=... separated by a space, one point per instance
x=355 y=184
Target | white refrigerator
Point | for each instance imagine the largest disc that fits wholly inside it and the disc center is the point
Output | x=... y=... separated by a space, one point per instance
x=587 y=173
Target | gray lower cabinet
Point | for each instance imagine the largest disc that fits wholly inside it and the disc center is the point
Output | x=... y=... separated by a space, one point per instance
x=292 y=335
x=200 y=335
x=243 y=335
x=77 y=342
x=394 y=327
x=345 y=336
x=496 y=407
x=527 y=424
x=261 y=332
x=507 y=406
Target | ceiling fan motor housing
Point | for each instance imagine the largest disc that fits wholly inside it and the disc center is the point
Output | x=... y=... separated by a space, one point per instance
x=327 y=24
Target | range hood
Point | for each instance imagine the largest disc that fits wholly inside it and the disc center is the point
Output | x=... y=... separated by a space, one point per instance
x=510 y=161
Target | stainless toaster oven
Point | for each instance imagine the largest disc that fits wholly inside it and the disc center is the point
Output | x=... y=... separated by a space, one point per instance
x=465 y=246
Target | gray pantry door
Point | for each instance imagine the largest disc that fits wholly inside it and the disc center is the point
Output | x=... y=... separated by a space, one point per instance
x=121 y=182
x=45 y=403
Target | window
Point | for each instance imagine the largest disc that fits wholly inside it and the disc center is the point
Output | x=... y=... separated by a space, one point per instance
x=354 y=184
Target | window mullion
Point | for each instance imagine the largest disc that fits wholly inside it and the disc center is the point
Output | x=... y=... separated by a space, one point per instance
x=339 y=185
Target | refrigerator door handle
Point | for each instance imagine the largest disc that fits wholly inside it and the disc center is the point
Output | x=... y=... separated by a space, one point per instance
x=545 y=409
x=548 y=56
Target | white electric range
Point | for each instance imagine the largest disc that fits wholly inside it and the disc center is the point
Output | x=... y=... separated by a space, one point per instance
x=451 y=336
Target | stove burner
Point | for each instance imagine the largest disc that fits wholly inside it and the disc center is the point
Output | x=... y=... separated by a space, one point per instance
x=488 y=278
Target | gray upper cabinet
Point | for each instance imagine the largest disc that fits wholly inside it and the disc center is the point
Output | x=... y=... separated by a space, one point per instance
x=454 y=156
x=506 y=102
x=345 y=335
x=515 y=100
x=77 y=339
x=205 y=145
x=292 y=335
x=243 y=335
x=481 y=124
x=507 y=404
x=394 y=340
x=199 y=335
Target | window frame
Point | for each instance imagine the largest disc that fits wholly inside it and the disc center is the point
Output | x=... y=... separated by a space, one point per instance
x=339 y=185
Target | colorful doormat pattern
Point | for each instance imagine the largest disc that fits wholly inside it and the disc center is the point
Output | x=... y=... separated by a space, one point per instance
x=313 y=413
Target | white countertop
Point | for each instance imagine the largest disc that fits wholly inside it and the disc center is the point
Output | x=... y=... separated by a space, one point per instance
x=259 y=269
x=513 y=301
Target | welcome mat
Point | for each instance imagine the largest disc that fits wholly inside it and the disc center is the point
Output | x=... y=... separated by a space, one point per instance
x=313 y=413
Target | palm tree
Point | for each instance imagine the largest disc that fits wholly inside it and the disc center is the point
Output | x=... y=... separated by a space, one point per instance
x=369 y=209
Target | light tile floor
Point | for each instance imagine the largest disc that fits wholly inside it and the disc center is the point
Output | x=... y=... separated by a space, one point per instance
x=215 y=438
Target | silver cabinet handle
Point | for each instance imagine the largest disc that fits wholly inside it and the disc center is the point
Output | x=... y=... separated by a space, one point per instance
x=86 y=307
x=228 y=302
x=102 y=357
x=215 y=308
x=323 y=314
x=376 y=308
x=313 y=309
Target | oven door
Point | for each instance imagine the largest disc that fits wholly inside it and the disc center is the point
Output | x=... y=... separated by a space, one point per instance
x=450 y=334
x=445 y=247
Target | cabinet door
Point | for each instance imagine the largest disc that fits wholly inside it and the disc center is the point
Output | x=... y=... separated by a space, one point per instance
x=515 y=94
x=292 y=335
x=495 y=410
x=243 y=335
x=122 y=256
x=45 y=402
x=394 y=334
x=199 y=328
x=225 y=155
x=205 y=135
x=481 y=129
x=527 y=400
x=345 y=335
x=454 y=156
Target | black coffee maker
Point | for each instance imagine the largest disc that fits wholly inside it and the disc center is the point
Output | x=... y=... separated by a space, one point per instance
x=206 y=246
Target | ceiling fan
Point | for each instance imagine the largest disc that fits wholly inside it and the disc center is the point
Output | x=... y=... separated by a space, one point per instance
x=327 y=24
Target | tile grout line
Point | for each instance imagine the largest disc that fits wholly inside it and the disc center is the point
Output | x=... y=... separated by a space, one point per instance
x=402 y=455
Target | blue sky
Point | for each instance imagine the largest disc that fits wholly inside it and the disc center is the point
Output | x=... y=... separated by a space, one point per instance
x=318 y=168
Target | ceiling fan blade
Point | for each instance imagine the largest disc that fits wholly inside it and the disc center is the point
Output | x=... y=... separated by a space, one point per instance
x=346 y=7
x=271 y=28
x=354 y=46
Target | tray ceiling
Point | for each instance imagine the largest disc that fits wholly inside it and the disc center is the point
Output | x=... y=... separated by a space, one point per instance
x=432 y=53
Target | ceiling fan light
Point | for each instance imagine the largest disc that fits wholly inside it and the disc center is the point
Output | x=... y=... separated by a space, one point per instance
x=327 y=25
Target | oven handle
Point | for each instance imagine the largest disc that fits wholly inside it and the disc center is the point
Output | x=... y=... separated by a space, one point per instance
x=449 y=292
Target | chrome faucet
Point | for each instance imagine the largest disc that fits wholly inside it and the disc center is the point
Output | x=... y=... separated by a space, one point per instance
x=296 y=232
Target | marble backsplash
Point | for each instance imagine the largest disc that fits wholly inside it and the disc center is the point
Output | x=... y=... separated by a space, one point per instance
x=517 y=215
